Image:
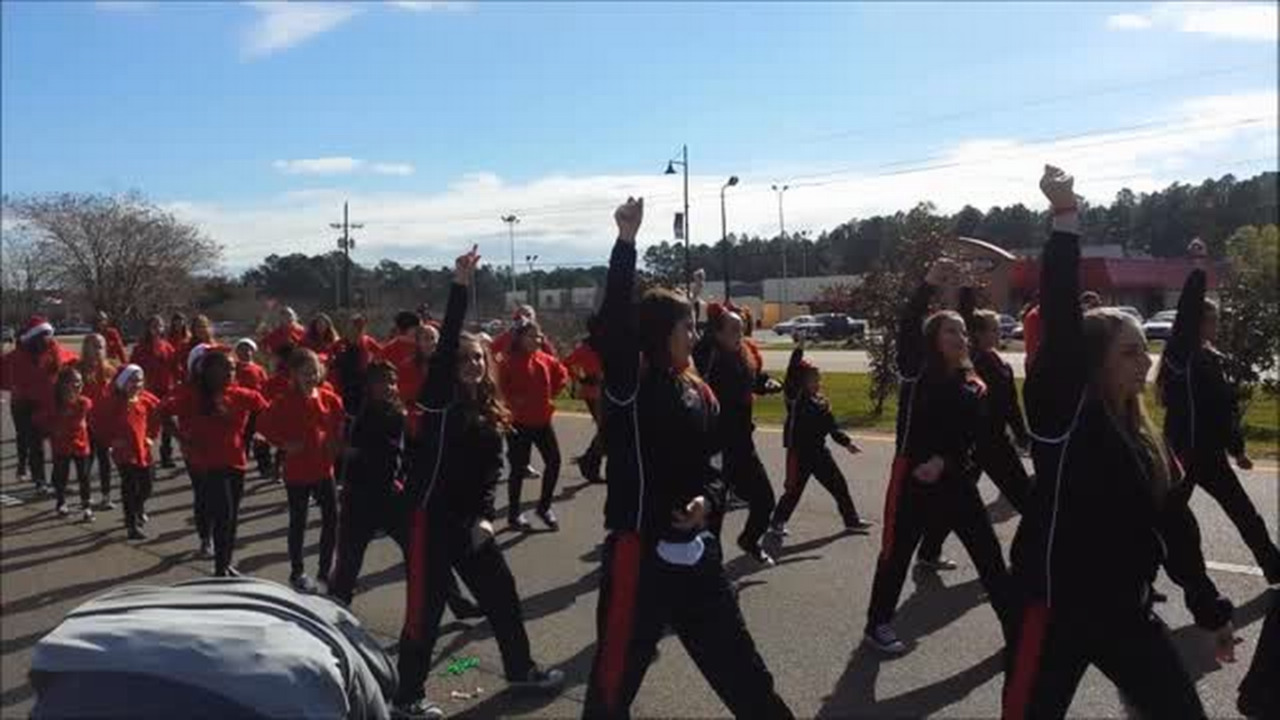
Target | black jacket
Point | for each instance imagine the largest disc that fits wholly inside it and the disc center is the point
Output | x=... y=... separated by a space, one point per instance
x=939 y=414
x=735 y=384
x=351 y=366
x=457 y=456
x=375 y=441
x=659 y=425
x=809 y=418
x=1202 y=408
x=1093 y=537
x=1003 y=410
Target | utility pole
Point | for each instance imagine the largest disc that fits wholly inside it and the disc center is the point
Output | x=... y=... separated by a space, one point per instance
x=345 y=244
x=782 y=234
x=511 y=221
x=724 y=235
x=533 y=290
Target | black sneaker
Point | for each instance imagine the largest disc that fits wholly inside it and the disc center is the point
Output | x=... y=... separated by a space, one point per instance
x=531 y=473
x=519 y=522
x=144 y=518
x=859 y=526
x=63 y=510
x=107 y=503
x=884 y=639
x=938 y=563
x=539 y=680
x=422 y=709
x=549 y=518
x=137 y=534
x=206 y=548
x=759 y=554
x=303 y=584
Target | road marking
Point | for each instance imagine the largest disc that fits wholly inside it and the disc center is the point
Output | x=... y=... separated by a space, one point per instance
x=1233 y=568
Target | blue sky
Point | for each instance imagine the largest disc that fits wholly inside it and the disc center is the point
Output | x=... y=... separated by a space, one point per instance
x=256 y=119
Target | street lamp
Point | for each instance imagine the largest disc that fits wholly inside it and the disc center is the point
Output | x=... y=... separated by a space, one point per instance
x=511 y=221
x=533 y=293
x=724 y=234
x=683 y=162
x=782 y=234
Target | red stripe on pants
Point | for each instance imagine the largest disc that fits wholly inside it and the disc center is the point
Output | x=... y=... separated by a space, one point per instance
x=897 y=476
x=624 y=577
x=416 y=574
x=1026 y=664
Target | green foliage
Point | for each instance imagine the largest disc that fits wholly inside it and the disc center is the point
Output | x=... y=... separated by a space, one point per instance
x=1250 y=293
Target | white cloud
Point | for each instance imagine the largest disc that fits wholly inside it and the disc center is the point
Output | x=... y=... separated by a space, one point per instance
x=428 y=5
x=1232 y=20
x=124 y=6
x=569 y=218
x=398 y=169
x=318 y=166
x=1128 y=21
x=282 y=25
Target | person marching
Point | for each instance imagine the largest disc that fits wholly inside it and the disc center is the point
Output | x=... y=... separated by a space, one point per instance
x=355 y=354
x=66 y=421
x=181 y=340
x=213 y=413
x=287 y=332
x=251 y=376
x=115 y=342
x=412 y=369
x=29 y=373
x=941 y=423
x=321 y=336
x=130 y=422
x=451 y=489
x=661 y=566
x=306 y=421
x=1202 y=424
x=809 y=423
x=997 y=456
x=734 y=370
x=158 y=358
x=588 y=373
x=1104 y=513
x=530 y=379
x=97 y=372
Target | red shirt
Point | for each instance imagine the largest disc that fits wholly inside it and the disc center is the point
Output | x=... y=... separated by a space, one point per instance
x=251 y=376
x=68 y=428
x=115 y=344
x=156 y=360
x=281 y=336
x=399 y=351
x=97 y=387
x=502 y=344
x=409 y=380
x=30 y=377
x=529 y=384
x=126 y=425
x=584 y=363
x=213 y=441
x=314 y=423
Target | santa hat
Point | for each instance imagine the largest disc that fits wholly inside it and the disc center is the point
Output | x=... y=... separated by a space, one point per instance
x=198 y=352
x=36 y=326
x=126 y=374
x=253 y=346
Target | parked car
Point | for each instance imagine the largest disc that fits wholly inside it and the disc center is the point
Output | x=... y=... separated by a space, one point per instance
x=1007 y=325
x=72 y=330
x=1160 y=326
x=786 y=327
x=831 y=326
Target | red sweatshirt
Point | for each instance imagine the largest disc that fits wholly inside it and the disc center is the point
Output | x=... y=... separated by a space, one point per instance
x=281 y=336
x=584 y=363
x=529 y=384
x=115 y=345
x=251 y=376
x=31 y=378
x=68 y=428
x=213 y=441
x=127 y=424
x=314 y=423
x=97 y=387
x=409 y=379
x=399 y=350
x=502 y=344
x=157 y=362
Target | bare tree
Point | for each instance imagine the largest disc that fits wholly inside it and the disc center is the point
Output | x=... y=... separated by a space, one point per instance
x=22 y=277
x=122 y=254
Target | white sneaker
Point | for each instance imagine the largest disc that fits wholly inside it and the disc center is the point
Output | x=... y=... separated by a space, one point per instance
x=87 y=515
x=884 y=639
x=63 y=510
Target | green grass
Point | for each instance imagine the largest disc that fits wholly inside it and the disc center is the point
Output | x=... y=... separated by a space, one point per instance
x=853 y=409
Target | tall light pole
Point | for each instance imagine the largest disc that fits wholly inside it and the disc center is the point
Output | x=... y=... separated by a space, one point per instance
x=345 y=244
x=724 y=234
x=511 y=221
x=782 y=234
x=683 y=162
x=533 y=292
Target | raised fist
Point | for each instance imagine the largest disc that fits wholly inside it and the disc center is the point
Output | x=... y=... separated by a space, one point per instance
x=628 y=217
x=944 y=272
x=1059 y=187
x=465 y=266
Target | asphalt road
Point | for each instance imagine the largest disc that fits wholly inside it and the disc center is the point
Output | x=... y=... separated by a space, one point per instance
x=806 y=614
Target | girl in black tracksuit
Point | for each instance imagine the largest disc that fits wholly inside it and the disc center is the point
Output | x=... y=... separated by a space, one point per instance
x=1202 y=423
x=941 y=421
x=735 y=376
x=457 y=459
x=1104 y=514
x=809 y=423
x=997 y=456
x=661 y=566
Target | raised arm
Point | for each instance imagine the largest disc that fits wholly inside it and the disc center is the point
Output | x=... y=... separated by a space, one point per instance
x=910 y=345
x=620 y=353
x=437 y=391
x=1058 y=376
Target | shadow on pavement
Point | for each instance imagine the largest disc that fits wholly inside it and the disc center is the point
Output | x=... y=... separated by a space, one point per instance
x=1196 y=645
x=855 y=691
